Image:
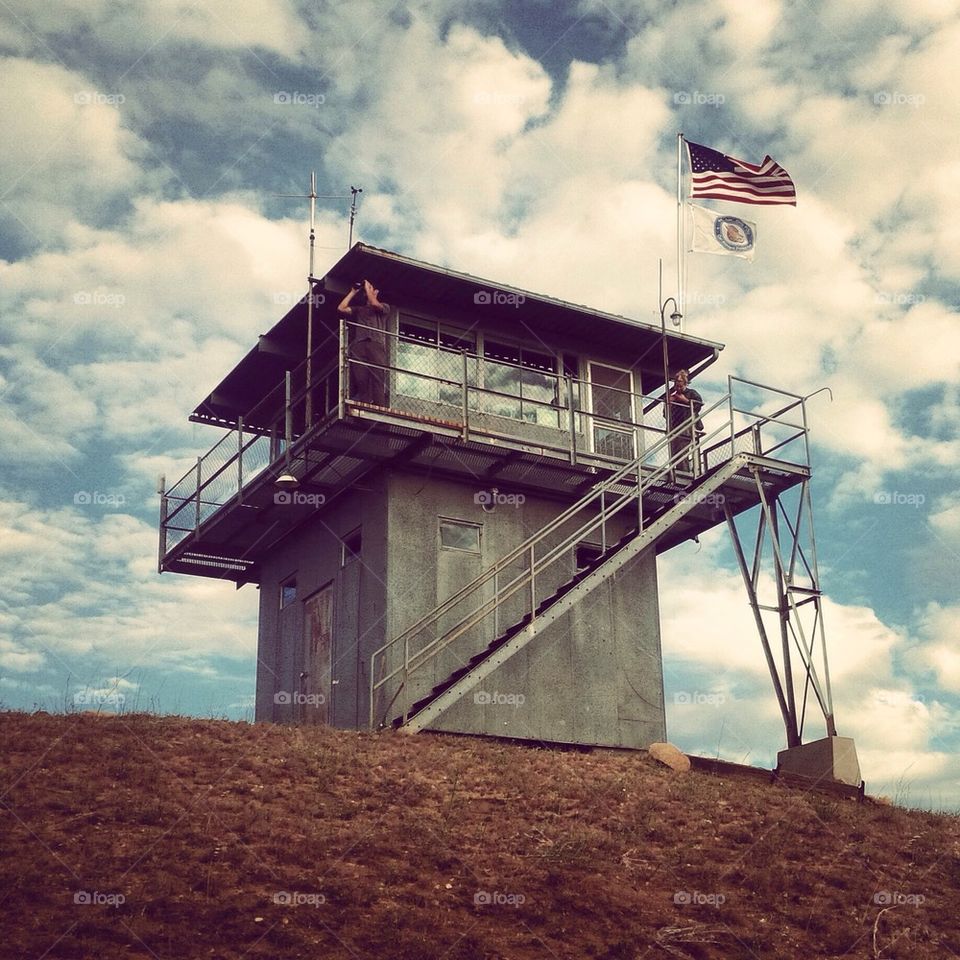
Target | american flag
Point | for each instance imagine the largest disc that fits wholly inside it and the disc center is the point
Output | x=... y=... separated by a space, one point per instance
x=718 y=177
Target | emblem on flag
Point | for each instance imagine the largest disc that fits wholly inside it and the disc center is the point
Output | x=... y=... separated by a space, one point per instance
x=715 y=233
x=734 y=234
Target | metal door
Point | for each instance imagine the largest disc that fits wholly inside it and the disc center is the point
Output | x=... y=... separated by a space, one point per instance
x=314 y=699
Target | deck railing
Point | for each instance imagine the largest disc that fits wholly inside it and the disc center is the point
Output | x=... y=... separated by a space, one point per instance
x=461 y=393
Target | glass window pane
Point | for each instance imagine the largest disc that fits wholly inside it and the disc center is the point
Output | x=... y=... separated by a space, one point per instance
x=420 y=359
x=539 y=361
x=422 y=331
x=455 y=340
x=501 y=351
x=542 y=389
x=610 y=389
x=460 y=535
x=613 y=443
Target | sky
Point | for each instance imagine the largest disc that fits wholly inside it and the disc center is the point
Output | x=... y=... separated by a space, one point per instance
x=144 y=246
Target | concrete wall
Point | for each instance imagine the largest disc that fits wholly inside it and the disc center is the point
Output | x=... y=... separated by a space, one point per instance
x=312 y=553
x=594 y=676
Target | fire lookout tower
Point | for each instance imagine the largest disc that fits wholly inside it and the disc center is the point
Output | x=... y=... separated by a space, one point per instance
x=458 y=530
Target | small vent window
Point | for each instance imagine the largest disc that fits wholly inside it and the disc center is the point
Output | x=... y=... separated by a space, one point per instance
x=460 y=535
x=288 y=592
x=350 y=547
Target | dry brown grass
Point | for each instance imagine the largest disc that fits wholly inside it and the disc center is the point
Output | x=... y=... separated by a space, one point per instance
x=387 y=841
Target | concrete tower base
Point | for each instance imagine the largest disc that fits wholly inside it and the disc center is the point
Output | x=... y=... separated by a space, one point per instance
x=833 y=758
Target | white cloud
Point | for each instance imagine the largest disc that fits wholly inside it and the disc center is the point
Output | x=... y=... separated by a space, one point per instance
x=158 y=309
x=14 y=657
x=940 y=627
x=110 y=604
x=66 y=151
x=711 y=646
x=141 y=26
x=946 y=520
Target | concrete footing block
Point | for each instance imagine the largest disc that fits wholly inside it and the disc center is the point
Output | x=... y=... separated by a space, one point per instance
x=833 y=758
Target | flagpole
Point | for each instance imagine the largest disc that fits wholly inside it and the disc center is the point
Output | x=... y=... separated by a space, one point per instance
x=679 y=223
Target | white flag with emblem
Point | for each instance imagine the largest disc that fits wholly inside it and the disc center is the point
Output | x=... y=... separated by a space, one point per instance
x=721 y=233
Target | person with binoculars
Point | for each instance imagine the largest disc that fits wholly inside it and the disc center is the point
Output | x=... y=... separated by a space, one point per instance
x=368 y=342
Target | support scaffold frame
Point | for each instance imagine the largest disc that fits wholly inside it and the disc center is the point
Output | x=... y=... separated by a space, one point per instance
x=793 y=580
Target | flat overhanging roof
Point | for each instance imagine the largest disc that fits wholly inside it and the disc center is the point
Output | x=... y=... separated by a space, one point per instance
x=403 y=282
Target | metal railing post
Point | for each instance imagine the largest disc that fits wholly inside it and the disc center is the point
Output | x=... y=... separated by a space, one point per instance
x=162 y=487
x=730 y=405
x=464 y=412
x=573 y=420
x=533 y=585
x=639 y=493
x=287 y=418
x=239 y=459
x=343 y=371
x=603 y=523
x=196 y=524
x=406 y=669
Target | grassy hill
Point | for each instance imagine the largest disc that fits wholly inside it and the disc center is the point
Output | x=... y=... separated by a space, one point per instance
x=161 y=837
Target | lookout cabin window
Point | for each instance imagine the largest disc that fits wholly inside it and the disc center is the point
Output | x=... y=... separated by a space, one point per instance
x=430 y=361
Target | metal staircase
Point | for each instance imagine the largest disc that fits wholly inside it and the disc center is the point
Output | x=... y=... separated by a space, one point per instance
x=627 y=513
x=446 y=693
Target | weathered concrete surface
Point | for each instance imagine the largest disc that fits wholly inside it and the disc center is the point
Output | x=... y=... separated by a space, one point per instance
x=832 y=758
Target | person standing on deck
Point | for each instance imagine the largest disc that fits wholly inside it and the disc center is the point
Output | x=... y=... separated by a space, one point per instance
x=368 y=342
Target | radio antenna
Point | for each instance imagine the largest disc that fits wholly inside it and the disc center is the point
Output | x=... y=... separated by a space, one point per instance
x=353 y=212
x=313 y=197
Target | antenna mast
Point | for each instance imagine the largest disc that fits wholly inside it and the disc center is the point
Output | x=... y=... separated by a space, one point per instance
x=313 y=222
x=313 y=197
x=353 y=212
